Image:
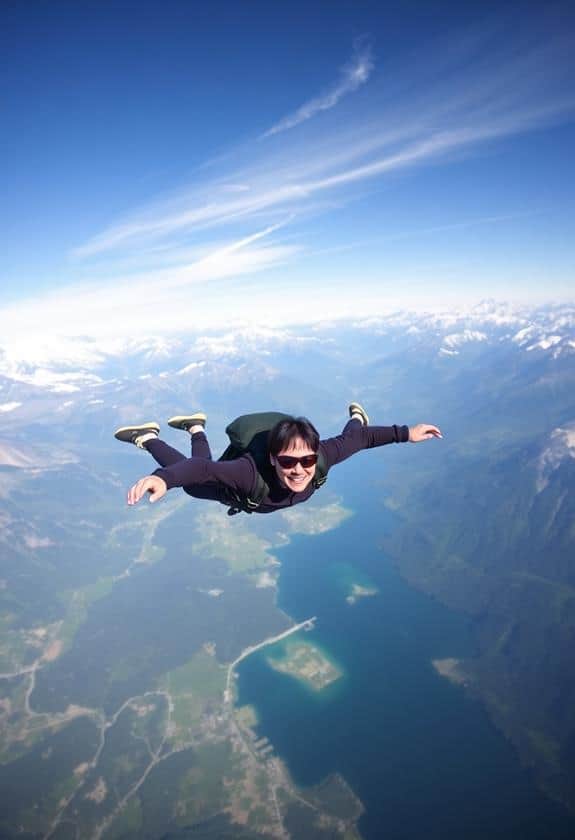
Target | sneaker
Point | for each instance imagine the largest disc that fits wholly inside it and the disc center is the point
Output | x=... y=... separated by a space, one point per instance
x=185 y=421
x=357 y=409
x=137 y=435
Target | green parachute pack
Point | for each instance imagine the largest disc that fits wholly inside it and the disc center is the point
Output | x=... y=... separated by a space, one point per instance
x=248 y=434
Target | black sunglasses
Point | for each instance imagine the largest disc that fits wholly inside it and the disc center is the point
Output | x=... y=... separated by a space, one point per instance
x=286 y=462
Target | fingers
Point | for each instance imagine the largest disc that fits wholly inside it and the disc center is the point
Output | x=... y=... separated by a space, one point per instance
x=136 y=492
x=153 y=485
x=157 y=492
x=432 y=431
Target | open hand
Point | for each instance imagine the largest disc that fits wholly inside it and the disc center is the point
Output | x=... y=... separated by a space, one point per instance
x=423 y=431
x=152 y=484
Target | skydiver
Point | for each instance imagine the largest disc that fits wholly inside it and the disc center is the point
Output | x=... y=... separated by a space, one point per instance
x=291 y=466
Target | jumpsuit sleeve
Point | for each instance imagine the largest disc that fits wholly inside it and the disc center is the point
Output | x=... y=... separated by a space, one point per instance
x=238 y=475
x=356 y=437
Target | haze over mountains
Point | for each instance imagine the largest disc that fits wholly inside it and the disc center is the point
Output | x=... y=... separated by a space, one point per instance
x=98 y=599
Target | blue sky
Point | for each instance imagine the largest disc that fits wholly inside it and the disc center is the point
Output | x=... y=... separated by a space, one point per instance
x=180 y=164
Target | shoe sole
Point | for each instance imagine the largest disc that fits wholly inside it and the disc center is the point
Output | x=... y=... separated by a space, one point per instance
x=184 y=421
x=127 y=433
x=356 y=408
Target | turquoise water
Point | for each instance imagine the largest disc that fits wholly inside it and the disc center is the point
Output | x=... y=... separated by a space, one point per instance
x=423 y=758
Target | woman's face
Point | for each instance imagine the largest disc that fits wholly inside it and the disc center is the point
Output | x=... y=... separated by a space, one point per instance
x=295 y=476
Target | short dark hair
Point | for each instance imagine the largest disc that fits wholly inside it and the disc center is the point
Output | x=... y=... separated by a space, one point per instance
x=290 y=428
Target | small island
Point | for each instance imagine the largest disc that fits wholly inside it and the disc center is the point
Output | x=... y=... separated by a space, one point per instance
x=307 y=663
x=353 y=583
x=358 y=591
x=452 y=669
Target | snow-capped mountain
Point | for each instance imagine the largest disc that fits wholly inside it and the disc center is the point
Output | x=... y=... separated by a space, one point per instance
x=84 y=365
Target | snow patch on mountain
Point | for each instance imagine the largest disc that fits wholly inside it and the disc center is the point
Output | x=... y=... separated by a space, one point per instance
x=561 y=446
x=548 y=330
x=457 y=339
x=453 y=341
x=189 y=368
x=546 y=343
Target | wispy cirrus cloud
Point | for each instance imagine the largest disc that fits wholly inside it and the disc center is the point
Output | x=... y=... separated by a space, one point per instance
x=446 y=105
x=192 y=255
x=430 y=137
x=352 y=75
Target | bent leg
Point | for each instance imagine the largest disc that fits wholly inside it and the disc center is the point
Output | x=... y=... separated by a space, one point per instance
x=200 y=446
x=166 y=455
x=163 y=454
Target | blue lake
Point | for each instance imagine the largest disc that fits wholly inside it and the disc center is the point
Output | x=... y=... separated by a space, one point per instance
x=423 y=758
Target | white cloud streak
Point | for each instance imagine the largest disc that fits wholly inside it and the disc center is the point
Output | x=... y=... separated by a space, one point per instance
x=179 y=259
x=157 y=301
x=352 y=76
x=418 y=143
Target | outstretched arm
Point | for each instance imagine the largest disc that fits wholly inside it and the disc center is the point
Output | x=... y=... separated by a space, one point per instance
x=356 y=437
